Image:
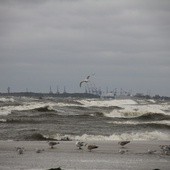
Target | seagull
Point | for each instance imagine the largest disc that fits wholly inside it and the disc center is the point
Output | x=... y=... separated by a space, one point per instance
x=91 y=147
x=80 y=144
x=39 y=150
x=151 y=151
x=165 y=149
x=20 y=150
x=85 y=80
x=52 y=143
x=55 y=168
x=123 y=143
x=122 y=151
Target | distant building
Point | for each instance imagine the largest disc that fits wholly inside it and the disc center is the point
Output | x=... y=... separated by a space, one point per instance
x=8 y=89
x=139 y=95
x=58 y=92
x=64 y=91
x=50 y=91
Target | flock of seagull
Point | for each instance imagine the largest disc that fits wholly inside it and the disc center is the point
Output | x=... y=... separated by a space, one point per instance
x=81 y=145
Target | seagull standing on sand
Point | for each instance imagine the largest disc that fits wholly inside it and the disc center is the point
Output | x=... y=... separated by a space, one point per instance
x=151 y=151
x=122 y=151
x=85 y=81
x=91 y=147
x=123 y=143
x=52 y=144
x=165 y=149
x=38 y=150
x=20 y=150
x=80 y=144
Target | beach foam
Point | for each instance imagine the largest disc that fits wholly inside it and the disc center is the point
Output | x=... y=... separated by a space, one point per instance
x=138 y=110
x=3 y=99
x=139 y=136
x=107 y=103
x=160 y=122
x=26 y=106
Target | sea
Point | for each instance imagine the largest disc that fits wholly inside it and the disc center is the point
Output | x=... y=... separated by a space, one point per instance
x=52 y=118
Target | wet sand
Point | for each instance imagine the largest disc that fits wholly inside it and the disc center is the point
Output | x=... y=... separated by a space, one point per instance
x=67 y=156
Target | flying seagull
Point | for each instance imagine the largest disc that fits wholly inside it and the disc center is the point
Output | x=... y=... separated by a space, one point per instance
x=85 y=80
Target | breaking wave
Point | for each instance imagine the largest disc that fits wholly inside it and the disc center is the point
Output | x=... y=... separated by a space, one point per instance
x=155 y=124
x=43 y=109
x=2 y=120
x=40 y=137
x=84 y=119
x=36 y=136
x=154 y=135
x=140 y=116
x=32 y=106
x=2 y=99
x=107 y=103
x=153 y=117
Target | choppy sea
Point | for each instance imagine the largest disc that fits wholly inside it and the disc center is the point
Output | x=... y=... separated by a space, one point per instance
x=23 y=118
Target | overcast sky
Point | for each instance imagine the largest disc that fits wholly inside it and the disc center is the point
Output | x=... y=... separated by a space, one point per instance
x=44 y=43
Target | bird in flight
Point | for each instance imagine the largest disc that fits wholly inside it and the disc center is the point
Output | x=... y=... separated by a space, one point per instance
x=85 y=81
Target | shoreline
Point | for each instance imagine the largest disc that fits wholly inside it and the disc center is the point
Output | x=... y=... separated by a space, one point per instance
x=67 y=156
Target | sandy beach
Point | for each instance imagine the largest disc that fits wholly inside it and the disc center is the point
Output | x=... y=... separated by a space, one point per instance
x=67 y=156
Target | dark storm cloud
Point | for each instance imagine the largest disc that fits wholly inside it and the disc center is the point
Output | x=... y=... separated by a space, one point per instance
x=126 y=43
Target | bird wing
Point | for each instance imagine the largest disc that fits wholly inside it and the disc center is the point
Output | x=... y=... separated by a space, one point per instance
x=84 y=81
x=81 y=82
x=88 y=77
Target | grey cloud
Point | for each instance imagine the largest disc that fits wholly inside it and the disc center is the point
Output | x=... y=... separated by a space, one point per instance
x=121 y=40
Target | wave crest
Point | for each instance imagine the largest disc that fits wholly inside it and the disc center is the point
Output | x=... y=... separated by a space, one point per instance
x=154 y=135
x=153 y=116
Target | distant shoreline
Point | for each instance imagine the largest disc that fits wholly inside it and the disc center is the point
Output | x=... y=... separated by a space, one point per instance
x=79 y=95
x=32 y=94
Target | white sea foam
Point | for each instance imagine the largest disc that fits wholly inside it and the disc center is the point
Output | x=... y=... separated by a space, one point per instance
x=2 y=99
x=27 y=99
x=138 y=110
x=161 y=122
x=130 y=108
x=154 y=135
x=151 y=100
x=60 y=104
x=29 y=104
x=2 y=120
x=107 y=103
x=26 y=106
